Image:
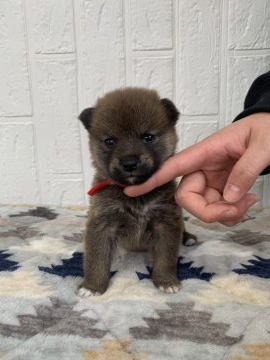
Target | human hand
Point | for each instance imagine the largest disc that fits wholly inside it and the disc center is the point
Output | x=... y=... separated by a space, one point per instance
x=218 y=171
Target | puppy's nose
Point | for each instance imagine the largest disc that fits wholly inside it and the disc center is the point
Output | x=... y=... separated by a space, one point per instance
x=130 y=163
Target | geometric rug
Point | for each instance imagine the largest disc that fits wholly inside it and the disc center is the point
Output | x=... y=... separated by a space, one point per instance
x=222 y=310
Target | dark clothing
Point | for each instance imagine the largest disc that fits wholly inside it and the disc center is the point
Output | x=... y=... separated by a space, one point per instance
x=257 y=100
x=258 y=97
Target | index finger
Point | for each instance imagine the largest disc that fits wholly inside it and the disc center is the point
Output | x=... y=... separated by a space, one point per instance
x=186 y=161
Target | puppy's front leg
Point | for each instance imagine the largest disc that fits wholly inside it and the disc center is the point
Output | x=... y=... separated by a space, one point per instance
x=99 y=247
x=167 y=238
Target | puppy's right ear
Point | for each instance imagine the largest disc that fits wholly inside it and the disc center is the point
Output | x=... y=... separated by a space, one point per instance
x=86 y=117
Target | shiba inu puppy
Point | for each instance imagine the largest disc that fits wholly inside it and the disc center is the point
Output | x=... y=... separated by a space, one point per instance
x=131 y=132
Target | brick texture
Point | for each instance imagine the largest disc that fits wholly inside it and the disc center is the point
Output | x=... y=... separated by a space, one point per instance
x=154 y=73
x=15 y=99
x=249 y=23
x=52 y=26
x=58 y=56
x=56 y=127
x=102 y=51
x=18 y=180
x=152 y=26
x=199 y=51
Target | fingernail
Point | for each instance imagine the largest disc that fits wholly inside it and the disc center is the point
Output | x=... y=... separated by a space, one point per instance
x=229 y=214
x=231 y=193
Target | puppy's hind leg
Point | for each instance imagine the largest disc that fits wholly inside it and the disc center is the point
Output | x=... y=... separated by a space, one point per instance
x=189 y=239
x=99 y=248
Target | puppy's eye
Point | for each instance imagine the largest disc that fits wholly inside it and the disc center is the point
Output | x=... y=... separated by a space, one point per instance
x=147 y=138
x=110 y=141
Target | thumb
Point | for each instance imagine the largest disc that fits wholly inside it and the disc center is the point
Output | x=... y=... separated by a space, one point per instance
x=244 y=173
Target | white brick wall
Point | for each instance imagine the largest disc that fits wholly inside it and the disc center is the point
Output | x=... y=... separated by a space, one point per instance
x=59 y=56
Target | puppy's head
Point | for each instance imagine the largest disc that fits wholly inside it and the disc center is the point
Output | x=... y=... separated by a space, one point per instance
x=131 y=134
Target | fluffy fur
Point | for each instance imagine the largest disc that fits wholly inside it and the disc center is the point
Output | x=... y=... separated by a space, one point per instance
x=132 y=132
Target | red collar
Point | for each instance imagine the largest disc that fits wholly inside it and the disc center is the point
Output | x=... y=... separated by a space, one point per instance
x=102 y=184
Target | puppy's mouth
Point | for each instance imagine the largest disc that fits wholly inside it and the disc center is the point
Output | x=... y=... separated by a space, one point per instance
x=135 y=179
x=131 y=179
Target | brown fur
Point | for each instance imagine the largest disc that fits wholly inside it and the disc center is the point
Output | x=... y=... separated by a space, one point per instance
x=152 y=222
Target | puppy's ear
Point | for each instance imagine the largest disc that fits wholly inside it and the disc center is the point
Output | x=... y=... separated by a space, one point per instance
x=172 y=112
x=86 y=117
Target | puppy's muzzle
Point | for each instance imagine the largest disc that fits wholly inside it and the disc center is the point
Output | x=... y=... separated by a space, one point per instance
x=130 y=164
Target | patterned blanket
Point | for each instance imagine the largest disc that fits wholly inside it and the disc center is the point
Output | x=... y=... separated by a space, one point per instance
x=221 y=312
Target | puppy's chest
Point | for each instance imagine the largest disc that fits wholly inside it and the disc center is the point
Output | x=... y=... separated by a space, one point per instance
x=151 y=209
x=142 y=212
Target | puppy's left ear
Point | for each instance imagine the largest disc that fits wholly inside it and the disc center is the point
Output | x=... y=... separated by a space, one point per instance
x=172 y=112
x=86 y=117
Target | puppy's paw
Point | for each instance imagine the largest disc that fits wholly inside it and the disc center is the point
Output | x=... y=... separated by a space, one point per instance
x=170 y=286
x=170 y=289
x=83 y=292
x=87 y=290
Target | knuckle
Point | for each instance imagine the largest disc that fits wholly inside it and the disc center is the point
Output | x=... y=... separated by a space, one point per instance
x=229 y=223
x=207 y=218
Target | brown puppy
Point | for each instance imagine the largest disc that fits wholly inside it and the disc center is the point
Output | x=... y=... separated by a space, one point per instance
x=132 y=132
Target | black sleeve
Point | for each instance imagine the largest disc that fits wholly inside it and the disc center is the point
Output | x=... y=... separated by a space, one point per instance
x=258 y=97
x=257 y=100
